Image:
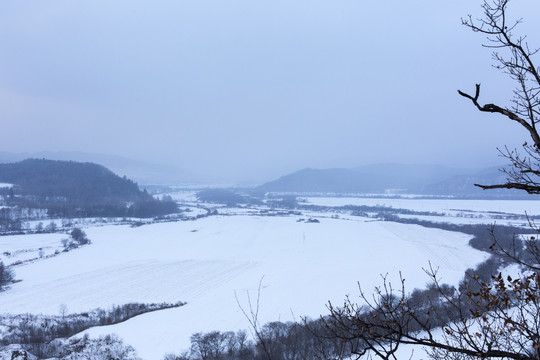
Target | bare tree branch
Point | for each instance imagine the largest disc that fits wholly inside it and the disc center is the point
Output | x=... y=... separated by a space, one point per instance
x=514 y=57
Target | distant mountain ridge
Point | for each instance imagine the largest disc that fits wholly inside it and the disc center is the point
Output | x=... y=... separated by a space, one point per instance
x=393 y=178
x=464 y=185
x=365 y=179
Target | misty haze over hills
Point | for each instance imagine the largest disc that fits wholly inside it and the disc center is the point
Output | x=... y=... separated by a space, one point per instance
x=142 y=172
x=361 y=179
x=396 y=179
x=375 y=178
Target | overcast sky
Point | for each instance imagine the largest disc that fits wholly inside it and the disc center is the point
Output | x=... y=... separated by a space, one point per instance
x=249 y=89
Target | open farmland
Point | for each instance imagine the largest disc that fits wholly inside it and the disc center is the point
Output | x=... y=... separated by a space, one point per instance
x=449 y=206
x=442 y=210
x=211 y=262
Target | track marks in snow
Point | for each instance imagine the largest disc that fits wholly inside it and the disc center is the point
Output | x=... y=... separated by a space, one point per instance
x=148 y=281
x=430 y=242
x=304 y=266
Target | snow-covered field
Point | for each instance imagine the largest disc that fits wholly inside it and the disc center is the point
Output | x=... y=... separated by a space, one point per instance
x=447 y=205
x=212 y=262
x=22 y=248
x=446 y=210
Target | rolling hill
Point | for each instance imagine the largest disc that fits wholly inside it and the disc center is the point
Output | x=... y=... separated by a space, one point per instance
x=393 y=179
x=68 y=188
x=140 y=171
x=366 y=179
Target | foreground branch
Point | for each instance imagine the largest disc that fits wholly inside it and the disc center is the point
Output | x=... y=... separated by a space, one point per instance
x=531 y=189
x=492 y=108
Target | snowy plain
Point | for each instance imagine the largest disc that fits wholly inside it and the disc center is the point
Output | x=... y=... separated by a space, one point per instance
x=216 y=264
x=221 y=263
x=516 y=213
x=449 y=206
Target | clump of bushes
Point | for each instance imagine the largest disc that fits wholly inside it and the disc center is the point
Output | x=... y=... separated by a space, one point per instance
x=77 y=238
x=6 y=276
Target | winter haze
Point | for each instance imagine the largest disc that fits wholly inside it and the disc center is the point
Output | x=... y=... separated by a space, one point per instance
x=246 y=90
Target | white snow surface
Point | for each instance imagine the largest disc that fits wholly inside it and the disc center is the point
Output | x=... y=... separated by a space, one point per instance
x=449 y=206
x=457 y=211
x=15 y=248
x=211 y=262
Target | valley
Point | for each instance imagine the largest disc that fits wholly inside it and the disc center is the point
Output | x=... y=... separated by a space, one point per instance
x=219 y=264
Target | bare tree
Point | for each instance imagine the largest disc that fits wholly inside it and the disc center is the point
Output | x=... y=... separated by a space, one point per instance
x=518 y=62
x=501 y=319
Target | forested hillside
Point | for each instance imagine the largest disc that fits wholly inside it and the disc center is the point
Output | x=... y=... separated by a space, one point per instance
x=68 y=188
x=85 y=182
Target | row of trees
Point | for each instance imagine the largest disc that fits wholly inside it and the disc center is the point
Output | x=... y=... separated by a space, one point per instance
x=275 y=340
x=12 y=219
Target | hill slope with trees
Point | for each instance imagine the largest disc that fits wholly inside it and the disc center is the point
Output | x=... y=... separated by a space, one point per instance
x=68 y=188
